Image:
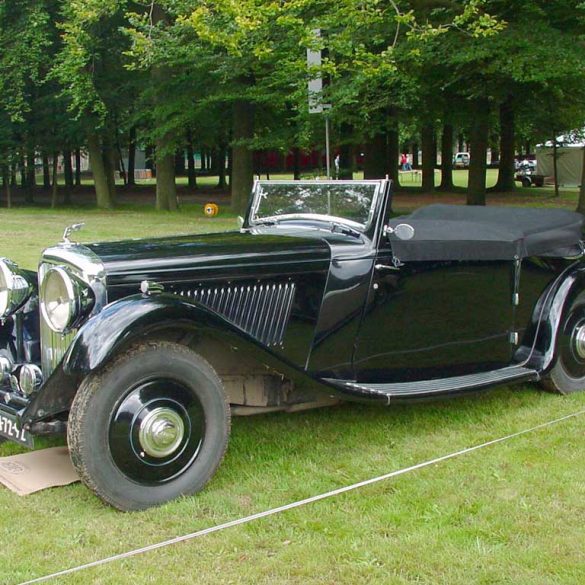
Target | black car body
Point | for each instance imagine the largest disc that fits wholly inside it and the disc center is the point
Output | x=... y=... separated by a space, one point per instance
x=142 y=349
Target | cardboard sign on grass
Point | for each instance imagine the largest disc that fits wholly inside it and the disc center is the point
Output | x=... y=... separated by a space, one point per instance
x=37 y=470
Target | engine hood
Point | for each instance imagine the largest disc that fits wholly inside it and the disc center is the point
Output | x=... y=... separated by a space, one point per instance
x=209 y=256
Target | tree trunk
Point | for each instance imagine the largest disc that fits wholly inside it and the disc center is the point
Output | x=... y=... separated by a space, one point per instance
x=556 y=164
x=8 y=195
x=242 y=156
x=119 y=158
x=429 y=154
x=149 y=160
x=345 y=153
x=109 y=156
x=460 y=143
x=46 y=173
x=221 y=182
x=230 y=164
x=6 y=177
x=447 y=159
x=166 y=189
x=375 y=161
x=415 y=161
x=581 y=202
x=296 y=163
x=28 y=193
x=96 y=160
x=191 y=174
x=55 y=189
x=478 y=153
x=31 y=177
x=165 y=147
x=393 y=155
x=68 y=170
x=180 y=163
x=507 y=170
x=495 y=154
x=77 y=167
x=130 y=179
x=22 y=169
x=203 y=160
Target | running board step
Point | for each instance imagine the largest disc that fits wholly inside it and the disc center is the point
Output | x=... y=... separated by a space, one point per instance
x=440 y=386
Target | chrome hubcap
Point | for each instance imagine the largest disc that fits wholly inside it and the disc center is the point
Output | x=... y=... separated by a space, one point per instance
x=579 y=341
x=161 y=432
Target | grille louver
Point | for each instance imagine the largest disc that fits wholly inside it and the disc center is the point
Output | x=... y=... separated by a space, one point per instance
x=262 y=310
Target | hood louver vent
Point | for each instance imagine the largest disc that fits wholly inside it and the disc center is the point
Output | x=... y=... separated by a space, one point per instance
x=262 y=310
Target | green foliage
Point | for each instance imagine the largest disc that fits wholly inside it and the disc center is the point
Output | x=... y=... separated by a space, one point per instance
x=73 y=67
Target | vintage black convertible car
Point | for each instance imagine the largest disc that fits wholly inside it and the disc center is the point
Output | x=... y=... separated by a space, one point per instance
x=142 y=349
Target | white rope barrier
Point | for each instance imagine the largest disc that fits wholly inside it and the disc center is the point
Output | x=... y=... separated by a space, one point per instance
x=297 y=504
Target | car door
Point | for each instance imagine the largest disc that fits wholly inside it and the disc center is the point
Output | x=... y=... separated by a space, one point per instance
x=429 y=320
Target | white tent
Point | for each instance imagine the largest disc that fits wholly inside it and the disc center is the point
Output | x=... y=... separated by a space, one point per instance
x=569 y=163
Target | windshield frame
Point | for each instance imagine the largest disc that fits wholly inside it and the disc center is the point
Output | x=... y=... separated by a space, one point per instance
x=252 y=219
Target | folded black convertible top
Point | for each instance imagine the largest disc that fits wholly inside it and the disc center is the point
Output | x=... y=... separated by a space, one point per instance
x=460 y=232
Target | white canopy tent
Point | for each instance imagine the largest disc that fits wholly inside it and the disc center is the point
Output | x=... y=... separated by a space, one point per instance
x=569 y=162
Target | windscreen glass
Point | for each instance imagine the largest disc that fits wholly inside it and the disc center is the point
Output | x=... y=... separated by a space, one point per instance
x=350 y=203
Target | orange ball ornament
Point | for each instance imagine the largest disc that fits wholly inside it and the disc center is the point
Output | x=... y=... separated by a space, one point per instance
x=210 y=209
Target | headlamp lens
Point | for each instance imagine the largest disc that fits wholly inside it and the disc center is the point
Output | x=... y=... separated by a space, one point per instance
x=58 y=301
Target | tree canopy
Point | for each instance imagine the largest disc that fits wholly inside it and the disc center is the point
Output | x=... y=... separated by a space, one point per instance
x=231 y=77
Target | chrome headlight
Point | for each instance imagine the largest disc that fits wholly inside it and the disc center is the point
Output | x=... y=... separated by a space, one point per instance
x=64 y=299
x=15 y=287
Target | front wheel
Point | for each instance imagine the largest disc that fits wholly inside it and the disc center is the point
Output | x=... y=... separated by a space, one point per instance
x=151 y=426
x=568 y=374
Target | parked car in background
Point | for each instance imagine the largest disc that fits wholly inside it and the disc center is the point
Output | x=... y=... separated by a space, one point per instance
x=527 y=175
x=461 y=160
x=141 y=350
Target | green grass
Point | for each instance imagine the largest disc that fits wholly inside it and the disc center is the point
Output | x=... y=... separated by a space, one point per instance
x=510 y=514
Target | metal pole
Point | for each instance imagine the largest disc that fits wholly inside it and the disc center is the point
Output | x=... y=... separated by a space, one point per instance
x=327 y=154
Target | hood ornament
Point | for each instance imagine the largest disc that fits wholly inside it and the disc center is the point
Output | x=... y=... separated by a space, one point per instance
x=71 y=229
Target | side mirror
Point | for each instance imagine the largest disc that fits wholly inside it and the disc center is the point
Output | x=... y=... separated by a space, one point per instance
x=402 y=231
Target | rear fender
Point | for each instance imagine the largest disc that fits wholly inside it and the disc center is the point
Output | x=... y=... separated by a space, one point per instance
x=538 y=347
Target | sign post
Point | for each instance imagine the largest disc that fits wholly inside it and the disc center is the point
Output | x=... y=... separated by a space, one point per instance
x=316 y=105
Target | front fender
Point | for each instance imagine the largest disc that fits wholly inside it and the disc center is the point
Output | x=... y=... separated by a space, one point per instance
x=139 y=316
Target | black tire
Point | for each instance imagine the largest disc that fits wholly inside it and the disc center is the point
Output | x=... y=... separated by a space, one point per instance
x=568 y=374
x=151 y=426
x=526 y=182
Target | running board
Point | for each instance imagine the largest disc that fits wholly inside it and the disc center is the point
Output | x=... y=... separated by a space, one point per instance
x=440 y=386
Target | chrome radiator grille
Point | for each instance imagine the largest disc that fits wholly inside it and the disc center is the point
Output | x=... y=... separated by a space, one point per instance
x=53 y=347
x=84 y=264
x=262 y=310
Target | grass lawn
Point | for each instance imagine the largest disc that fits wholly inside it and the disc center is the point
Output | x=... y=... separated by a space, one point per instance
x=510 y=514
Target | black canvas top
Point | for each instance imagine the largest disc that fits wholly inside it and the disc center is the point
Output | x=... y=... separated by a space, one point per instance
x=461 y=232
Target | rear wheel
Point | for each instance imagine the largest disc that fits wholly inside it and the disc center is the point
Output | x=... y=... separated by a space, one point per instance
x=152 y=426
x=568 y=373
